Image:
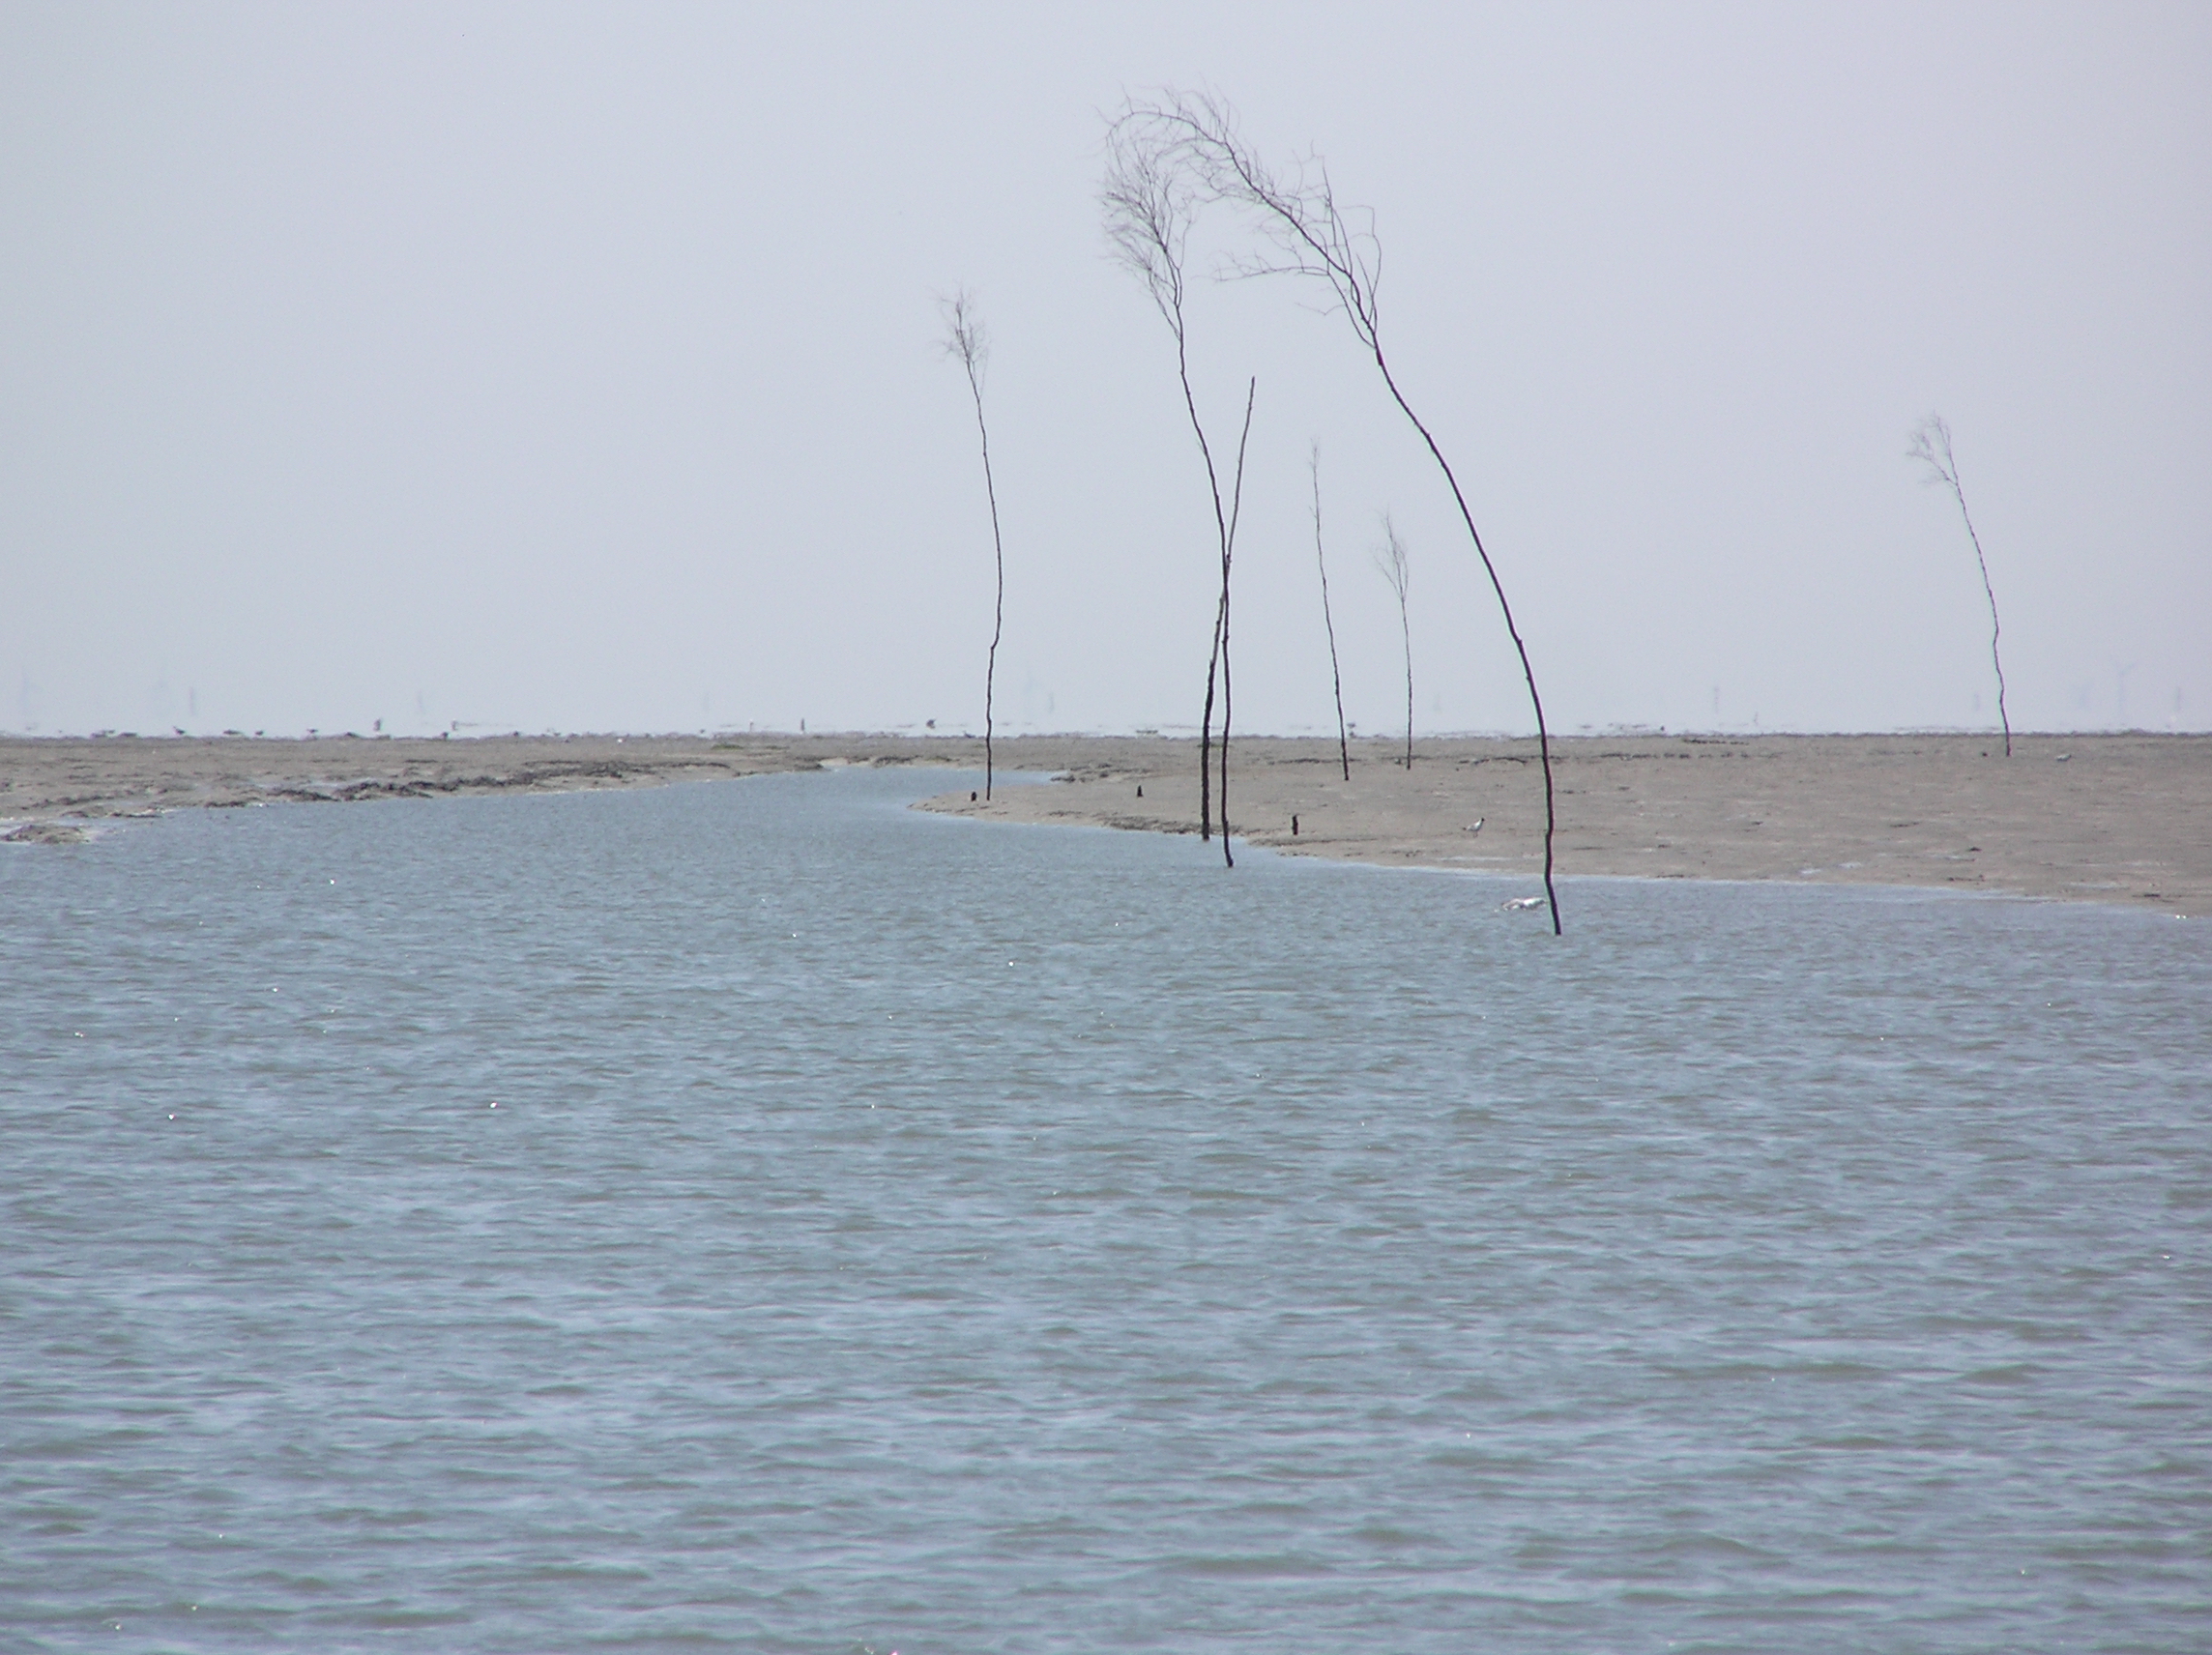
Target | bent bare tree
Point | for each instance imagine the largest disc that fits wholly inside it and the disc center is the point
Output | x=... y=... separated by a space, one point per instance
x=1321 y=559
x=1391 y=559
x=1931 y=446
x=965 y=339
x=1149 y=204
x=1312 y=239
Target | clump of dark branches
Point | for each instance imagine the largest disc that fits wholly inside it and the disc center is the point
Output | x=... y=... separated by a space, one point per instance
x=965 y=339
x=1150 y=203
x=1931 y=446
x=1196 y=137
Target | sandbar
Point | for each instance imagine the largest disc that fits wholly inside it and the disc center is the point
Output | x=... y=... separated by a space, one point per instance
x=2122 y=818
x=2105 y=818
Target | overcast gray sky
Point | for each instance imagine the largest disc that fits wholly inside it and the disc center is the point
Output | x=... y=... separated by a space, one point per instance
x=576 y=367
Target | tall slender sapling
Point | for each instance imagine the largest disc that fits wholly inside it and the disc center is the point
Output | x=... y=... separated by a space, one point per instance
x=965 y=339
x=1150 y=205
x=1931 y=446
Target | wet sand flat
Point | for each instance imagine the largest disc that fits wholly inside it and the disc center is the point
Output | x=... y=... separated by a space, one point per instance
x=2109 y=818
x=2123 y=818
x=55 y=788
x=50 y=784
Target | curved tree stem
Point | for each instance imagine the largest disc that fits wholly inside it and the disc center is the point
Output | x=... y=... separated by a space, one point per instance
x=999 y=551
x=1221 y=615
x=1989 y=592
x=1931 y=446
x=965 y=338
x=1228 y=555
x=1543 y=735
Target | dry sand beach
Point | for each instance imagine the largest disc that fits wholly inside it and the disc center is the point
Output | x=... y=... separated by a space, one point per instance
x=2119 y=818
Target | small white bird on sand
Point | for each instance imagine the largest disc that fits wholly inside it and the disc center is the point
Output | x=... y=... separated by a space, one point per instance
x=1474 y=826
x=1521 y=902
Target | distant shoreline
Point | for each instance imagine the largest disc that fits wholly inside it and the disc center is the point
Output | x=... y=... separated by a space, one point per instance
x=2103 y=817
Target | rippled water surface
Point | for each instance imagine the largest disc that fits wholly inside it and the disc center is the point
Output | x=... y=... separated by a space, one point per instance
x=757 y=1216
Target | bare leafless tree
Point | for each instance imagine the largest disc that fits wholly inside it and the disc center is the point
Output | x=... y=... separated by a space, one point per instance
x=1391 y=559
x=1931 y=446
x=1197 y=135
x=1150 y=203
x=966 y=339
x=1321 y=559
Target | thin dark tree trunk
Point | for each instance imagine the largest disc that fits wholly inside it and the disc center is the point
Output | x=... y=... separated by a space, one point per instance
x=1996 y=630
x=1220 y=619
x=1321 y=560
x=998 y=604
x=1228 y=556
x=1206 y=735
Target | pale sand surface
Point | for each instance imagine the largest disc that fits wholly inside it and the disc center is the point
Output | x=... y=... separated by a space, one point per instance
x=2125 y=817
x=47 y=784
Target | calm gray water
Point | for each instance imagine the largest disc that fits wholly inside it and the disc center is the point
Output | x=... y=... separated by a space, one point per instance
x=901 y=1233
